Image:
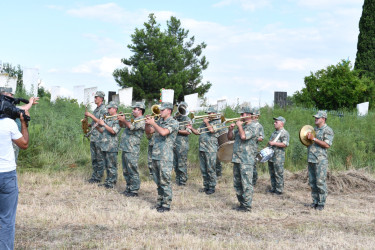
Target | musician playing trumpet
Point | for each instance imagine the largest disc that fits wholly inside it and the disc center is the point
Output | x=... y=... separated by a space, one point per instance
x=97 y=158
x=109 y=145
x=244 y=152
x=130 y=146
x=208 y=145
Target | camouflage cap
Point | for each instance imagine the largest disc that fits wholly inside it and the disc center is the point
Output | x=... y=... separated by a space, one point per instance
x=138 y=105
x=320 y=114
x=246 y=109
x=280 y=118
x=112 y=104
x=166 y=105
x=211 y=110
x=5 y=89
x=256 y=111
x=100 y=94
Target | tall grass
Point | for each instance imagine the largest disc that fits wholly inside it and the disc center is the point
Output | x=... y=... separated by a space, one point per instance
x=57 y=142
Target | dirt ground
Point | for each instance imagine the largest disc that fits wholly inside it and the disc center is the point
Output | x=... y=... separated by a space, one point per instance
x=62 y=211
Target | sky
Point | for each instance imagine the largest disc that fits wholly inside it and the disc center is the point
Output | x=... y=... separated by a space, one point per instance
x=254 y=47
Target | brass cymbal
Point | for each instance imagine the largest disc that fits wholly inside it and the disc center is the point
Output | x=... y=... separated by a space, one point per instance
x=303 y=135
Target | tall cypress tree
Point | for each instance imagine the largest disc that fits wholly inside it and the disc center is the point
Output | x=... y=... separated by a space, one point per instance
x=365 y=59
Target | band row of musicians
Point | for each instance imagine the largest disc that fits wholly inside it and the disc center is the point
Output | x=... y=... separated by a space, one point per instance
x=169 y=145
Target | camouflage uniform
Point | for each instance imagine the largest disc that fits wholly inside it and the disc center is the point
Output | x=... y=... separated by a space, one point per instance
x=149 y=152
x=109 y=147
x=180 y=151
x=276 y=163
x=260 y=134
x=130 y=146
x=318 y=164
x=162 y=160
x=207 y=156
x=97 y=158
x=244 y=152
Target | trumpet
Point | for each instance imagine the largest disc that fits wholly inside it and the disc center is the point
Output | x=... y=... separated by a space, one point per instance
x=155 y=109
x=115 y=116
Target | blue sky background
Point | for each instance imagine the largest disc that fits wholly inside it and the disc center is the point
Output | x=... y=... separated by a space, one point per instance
x=253 y=47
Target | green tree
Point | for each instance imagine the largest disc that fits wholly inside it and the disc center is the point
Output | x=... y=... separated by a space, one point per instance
x=15 y=71
x=336 y=87
x=163 y=59
x=365 y=59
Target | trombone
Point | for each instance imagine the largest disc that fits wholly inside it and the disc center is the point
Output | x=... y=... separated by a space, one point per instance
x=115 y=116
x=220 y=126
x=202 y=117
x=155 y=109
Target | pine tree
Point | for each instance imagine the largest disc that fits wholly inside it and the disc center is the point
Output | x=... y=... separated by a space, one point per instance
x=365 y=59
x=163 y=59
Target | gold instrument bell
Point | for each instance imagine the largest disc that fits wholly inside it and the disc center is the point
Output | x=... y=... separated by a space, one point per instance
x=303 y=135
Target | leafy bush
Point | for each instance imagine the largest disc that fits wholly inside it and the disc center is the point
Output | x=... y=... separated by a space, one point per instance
x=57 y=142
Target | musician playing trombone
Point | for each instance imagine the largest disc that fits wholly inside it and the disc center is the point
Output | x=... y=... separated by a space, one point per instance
x=97 y=159
x=181 y=145
x=208 y=149
x=130 y=146
x=244 y=152
x=165 y=130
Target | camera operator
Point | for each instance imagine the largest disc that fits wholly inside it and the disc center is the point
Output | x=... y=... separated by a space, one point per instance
x=26 y=107
x=8 y=176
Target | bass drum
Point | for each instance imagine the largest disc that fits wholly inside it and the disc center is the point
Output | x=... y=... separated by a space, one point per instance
x=265 y=154
x=225 y=152
x=223 y=137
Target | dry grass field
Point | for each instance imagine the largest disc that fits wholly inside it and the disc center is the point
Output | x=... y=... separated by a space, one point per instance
x=62 y=211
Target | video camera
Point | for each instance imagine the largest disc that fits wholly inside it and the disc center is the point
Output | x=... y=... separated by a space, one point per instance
x=9 y=110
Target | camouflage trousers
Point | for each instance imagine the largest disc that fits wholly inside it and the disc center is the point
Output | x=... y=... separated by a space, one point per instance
x=97 y=161
x=110 y=159
x=242 y=182
x=161 y=172
x=130 y=171
x=149 y=159
x=208 y=169
x=219 y=167
x=16 y=151
x=180 y=157
x=317 y=181
x=255 y=173
x=276 y=170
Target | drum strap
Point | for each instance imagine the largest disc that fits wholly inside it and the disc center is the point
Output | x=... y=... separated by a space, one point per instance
x=277 y=137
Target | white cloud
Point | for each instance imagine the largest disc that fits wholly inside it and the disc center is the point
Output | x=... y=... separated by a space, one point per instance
x=102 y=67
x=53 y=70
x=295 y=64
x=247 y=5
x=112 y=12
x=325 y=4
